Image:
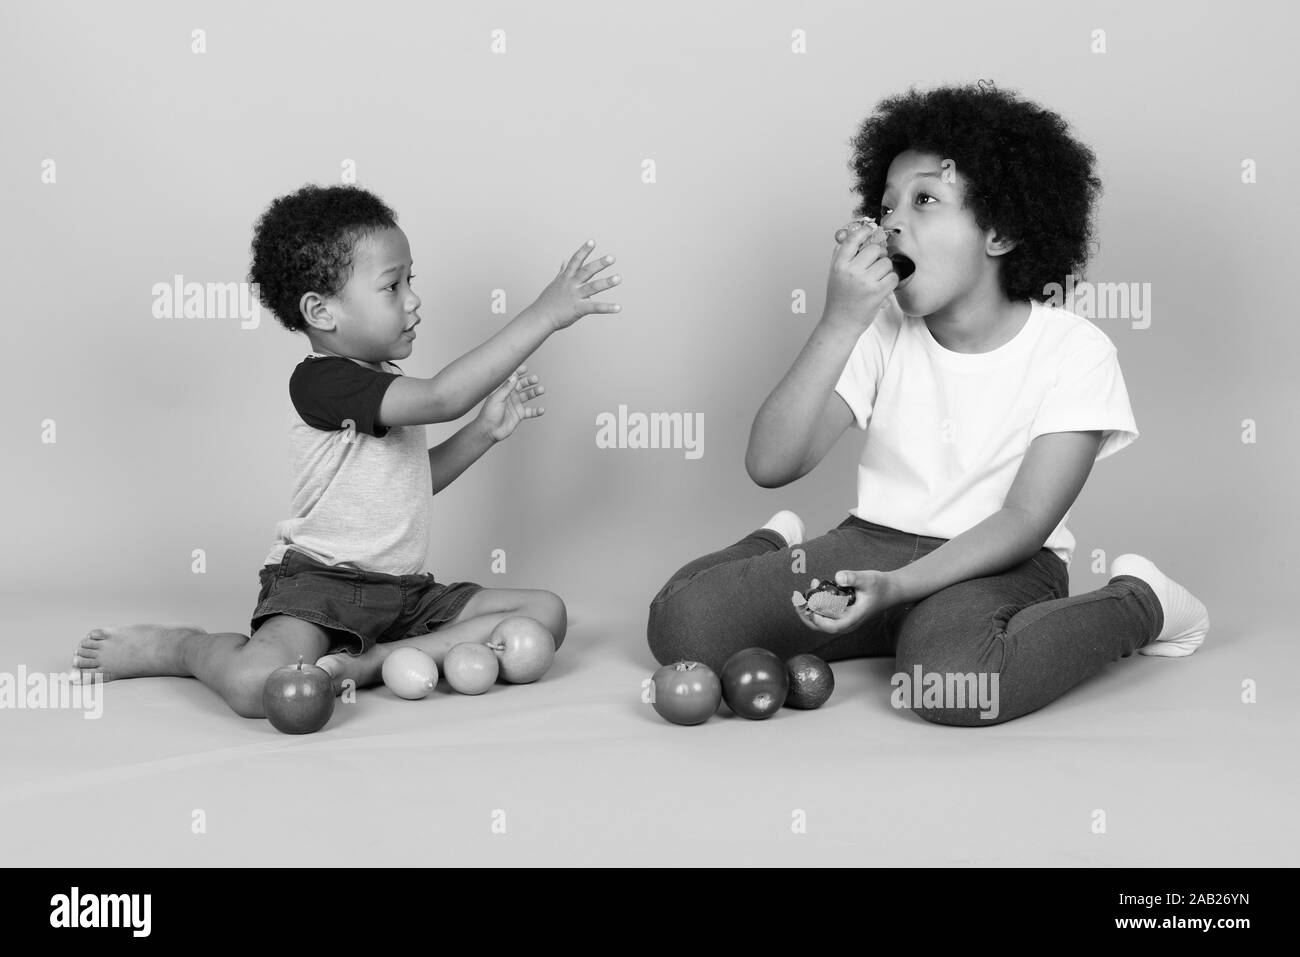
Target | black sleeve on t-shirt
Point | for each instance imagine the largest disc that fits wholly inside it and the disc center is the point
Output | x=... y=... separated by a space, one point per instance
x=330 y=389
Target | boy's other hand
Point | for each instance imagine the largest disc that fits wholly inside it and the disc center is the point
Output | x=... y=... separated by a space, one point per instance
x=506 y=407
x=568 y=297
x=862 y=277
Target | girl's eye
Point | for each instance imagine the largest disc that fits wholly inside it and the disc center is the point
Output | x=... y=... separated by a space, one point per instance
x=926 y=195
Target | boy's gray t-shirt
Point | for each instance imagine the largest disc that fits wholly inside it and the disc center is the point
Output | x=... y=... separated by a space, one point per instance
x=362 y=493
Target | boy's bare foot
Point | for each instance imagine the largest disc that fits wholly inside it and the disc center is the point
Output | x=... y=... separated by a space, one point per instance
x=364 y=669
x=133 y=651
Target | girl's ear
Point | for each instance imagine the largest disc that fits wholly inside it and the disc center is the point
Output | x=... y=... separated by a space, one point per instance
x=999 y=245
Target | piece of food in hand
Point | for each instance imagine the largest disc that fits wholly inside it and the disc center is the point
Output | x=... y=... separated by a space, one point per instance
x=825 y=598
x=874 y=233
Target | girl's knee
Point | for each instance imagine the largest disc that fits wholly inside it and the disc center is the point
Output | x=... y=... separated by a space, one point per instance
x=957 y=691
x=671 y=629
x=658 y=632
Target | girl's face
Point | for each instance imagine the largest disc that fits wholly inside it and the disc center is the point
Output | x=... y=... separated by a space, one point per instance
x=375 y=311
x=923 y=209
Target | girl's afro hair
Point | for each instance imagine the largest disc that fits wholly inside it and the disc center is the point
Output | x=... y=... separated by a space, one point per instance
x=1025 y=175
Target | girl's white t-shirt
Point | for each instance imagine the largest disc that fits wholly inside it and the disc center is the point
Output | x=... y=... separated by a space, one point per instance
x=946 y=431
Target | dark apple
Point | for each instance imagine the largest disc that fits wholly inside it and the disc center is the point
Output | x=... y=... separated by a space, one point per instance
x=298 y=699
x=754 y=683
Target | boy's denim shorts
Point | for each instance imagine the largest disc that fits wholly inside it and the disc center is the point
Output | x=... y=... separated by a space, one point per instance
x=359 y=609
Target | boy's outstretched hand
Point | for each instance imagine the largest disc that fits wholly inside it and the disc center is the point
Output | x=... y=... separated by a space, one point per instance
x=874 y=593
x=505 y=407
x=568 y=297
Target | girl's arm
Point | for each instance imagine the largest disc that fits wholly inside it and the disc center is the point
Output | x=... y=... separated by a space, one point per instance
x=802 y=418
x=1051 y=475
x=800 y=421
x=1049 y=479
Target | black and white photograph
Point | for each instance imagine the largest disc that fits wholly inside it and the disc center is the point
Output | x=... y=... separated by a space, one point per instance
x=679 y=435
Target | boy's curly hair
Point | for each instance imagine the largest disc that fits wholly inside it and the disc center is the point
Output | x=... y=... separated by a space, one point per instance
x=1025 y=175
x=305 y=242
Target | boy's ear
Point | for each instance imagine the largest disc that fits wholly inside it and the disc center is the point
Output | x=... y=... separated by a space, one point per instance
x=315 y=312
x=996 y=244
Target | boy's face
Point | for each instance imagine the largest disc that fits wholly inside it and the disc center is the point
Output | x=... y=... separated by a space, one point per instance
x=928 y=222
x=375 y=312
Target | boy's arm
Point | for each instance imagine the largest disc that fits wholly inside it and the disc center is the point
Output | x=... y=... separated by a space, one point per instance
x=504 y=409
x=448 y=460
x=468 y=380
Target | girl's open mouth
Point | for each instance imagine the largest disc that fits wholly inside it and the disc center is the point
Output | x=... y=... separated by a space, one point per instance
x=903 y=265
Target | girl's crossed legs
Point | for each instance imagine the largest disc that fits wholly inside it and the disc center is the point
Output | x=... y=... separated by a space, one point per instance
x=1017 y=632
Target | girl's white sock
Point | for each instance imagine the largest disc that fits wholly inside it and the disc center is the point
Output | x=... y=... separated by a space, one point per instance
x=788 y=525
x=1186 y=619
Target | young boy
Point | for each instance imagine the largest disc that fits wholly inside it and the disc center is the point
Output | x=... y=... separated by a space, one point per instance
x=343 y=584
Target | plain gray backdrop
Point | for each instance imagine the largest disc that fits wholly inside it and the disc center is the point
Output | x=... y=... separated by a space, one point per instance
x=171 y=433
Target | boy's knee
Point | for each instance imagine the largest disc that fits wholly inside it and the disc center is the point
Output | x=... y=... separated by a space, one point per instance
x=549 y=608
x=245 y=690
x=245 y=694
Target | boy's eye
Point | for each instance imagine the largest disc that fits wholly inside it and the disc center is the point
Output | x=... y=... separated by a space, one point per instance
x=926 y=195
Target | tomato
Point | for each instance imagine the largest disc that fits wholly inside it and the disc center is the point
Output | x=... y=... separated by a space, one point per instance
x=754 y=683
x=686 y=692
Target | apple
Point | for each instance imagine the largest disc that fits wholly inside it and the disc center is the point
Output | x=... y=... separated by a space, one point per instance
x=524 y=647
x=471 y=667
x=755 y=683
x=298 y=699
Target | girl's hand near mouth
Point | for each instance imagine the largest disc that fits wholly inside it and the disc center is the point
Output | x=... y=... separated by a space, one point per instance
x=862 y=277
